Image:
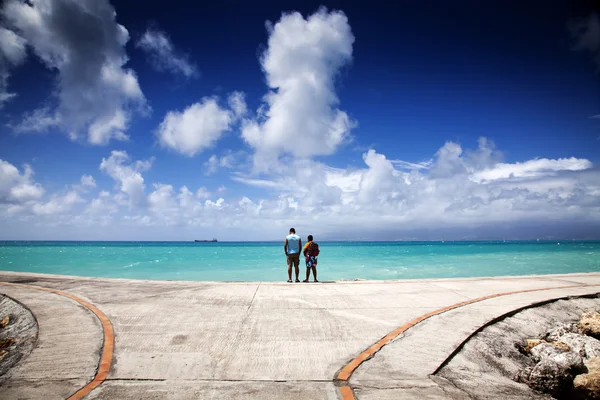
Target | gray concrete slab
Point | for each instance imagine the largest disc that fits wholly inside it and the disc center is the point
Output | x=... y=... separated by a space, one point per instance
x=33 y=389
x=484 y=367
x=67 y=350
x=484 y=287
x=418 y=352
x=433 y=388
x=188 y=390
x=203 y=339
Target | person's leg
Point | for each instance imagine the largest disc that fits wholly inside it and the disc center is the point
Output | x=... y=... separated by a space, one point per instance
x=314 y=268
x=289 y=263
x=297 y=267
x=307 y=272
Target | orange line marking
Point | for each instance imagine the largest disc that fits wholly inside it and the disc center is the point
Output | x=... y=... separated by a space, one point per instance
x=107 y=348
x=346 y=393
x=346 y=372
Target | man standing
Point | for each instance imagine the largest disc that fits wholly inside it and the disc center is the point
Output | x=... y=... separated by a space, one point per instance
x=311 y=251
x=292 y=247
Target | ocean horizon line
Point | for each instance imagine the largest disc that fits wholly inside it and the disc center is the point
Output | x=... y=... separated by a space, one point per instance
x=202 y=241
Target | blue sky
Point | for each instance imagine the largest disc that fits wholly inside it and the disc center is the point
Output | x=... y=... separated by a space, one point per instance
x=407 y=121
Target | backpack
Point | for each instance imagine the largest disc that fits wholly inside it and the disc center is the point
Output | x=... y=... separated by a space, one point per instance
x=313 y=249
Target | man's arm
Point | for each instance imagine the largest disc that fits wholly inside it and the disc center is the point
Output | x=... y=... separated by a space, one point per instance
x=285 y=247
x=299 y=246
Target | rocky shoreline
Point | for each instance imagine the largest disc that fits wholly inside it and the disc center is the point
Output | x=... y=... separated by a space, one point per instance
x=567 y=360
x=18 y=334
x=542 y=352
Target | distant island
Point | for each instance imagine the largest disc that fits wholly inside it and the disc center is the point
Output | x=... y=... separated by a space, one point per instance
x=206 y=241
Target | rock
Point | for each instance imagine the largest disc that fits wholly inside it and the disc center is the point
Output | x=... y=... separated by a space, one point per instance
x=587 y=346
x=554 y=370
x=546 y=377
x=593 y=365
x=570 y=362
x=7 y=342
x=554 y=334
x=587 y=386
x=549 y=377
x=531 y=343
x=589 y=324
x=561 y=345
x=545 y=350
x=523 y=375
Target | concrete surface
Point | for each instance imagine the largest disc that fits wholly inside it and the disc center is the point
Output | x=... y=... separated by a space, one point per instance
x=484 y=367
x=259 y=340
x=66 y=354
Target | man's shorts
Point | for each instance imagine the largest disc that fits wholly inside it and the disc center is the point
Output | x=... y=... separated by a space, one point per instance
x=311 y=261
x=293 y=259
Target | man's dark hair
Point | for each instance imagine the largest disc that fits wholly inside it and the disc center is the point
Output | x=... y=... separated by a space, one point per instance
x=292 y=230
x=310 y=238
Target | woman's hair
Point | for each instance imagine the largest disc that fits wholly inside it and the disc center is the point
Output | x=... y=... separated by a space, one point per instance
x=310 y=238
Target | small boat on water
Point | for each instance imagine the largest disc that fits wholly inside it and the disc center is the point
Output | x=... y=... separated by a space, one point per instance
x=206 y=241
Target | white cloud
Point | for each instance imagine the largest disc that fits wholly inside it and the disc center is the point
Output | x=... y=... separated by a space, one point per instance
x=261 y=183
x=84 y=44
x=57 y=204
x=12 y=53
x=586 y=35
x=449 y=161
x=462 y=190
x=237 y=103
x=410 y=166
x=127 y=175
x=202 y=193
x=163 y=56
x=301 y=63
x=229 y=160
x=102 y=205
x=38 y=120
x=458 y=188
x=219 y=204
x=162 y=200
x=196 y=128
x=88 y=181
x=102 y=130
x=17 y=187
x=379 y=183
x=531 y=168
x=12 y=46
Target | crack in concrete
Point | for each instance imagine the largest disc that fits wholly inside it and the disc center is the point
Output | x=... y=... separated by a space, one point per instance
x=252 y=301
x=452 y=291
x=433 y=379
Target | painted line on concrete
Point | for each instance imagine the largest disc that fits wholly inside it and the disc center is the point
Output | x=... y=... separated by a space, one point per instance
x=342 y=378
x=108 y=342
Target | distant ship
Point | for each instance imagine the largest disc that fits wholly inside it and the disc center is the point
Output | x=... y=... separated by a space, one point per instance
x=206 y=241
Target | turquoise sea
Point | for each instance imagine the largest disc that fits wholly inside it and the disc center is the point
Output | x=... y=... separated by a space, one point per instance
x=265 y=261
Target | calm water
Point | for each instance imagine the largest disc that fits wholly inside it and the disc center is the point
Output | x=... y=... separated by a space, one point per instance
x=265 y=261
